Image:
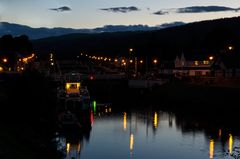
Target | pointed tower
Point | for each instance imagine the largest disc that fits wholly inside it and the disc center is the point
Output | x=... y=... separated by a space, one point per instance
x=182 y=60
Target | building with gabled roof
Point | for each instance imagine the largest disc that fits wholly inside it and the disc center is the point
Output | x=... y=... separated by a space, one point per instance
x=192 y=67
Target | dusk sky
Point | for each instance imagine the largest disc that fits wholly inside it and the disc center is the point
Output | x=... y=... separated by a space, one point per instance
x=97 y=13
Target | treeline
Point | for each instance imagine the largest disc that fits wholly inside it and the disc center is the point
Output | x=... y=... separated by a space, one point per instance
x=194 y=39
x=13 y=48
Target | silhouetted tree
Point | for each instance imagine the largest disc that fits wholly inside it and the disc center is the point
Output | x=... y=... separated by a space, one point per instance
x=14 y=47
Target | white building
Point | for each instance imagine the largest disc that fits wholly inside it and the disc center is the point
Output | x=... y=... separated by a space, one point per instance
x=194 y=67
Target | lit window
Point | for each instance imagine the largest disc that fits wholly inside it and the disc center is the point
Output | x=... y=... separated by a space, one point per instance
x=1 y=69
x=206 y=62
x=196 y=63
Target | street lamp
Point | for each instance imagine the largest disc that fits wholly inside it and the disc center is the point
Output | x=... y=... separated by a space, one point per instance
x=5 y=60
x=155 y=61
x=230 y=48
x=211 y=58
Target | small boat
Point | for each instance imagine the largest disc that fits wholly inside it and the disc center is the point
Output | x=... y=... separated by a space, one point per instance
x=73 y=95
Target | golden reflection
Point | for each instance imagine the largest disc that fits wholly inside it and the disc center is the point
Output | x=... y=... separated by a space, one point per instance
x=109 y=110
x=230 y=142
x=124 y=121
x=220 y=133
x=131 y=142
x=68 y=147
x=211 y=148
x=79 y=147
x=106 y=110
x=155 y=120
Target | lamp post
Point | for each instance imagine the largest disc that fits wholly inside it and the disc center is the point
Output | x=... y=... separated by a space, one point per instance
x=129 y=61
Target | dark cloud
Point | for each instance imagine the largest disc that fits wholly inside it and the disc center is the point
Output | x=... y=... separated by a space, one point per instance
x=196 y=9
x=200 y=9
x=121 y=9
x=61 y=9
x=161 y=12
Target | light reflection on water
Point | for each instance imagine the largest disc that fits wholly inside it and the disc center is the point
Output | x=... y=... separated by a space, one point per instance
x=148 y=134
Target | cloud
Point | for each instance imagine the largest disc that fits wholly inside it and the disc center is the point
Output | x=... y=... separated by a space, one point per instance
x=200 y=9
x=161 y=12
x=61 y=9
x=121 y=9
x=196 y=9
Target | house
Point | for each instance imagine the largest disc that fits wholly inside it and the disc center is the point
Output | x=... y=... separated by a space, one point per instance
x=192 y=67
x=226 y=65
x=166 y=68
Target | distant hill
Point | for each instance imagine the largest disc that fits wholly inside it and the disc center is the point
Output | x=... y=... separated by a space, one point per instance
x=198 y=39
x=37 y=33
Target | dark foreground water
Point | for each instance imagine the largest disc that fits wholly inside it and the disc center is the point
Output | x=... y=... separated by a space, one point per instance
x=150 y=134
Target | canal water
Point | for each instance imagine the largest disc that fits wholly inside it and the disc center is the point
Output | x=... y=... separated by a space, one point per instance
x=148 y=133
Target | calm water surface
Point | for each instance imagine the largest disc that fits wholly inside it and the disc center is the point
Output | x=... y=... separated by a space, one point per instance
x=148 y=134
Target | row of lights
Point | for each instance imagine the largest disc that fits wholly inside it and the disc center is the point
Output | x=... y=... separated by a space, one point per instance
x=124 y=62
x=155 y=61
x=23 y=60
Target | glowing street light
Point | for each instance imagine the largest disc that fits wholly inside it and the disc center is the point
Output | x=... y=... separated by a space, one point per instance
x=211 y=57
x=155 y=61
x=141 y=61
x=230 y=48
x=5 y=60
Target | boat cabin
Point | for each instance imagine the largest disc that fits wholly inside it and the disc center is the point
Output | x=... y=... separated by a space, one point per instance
x=72 y=88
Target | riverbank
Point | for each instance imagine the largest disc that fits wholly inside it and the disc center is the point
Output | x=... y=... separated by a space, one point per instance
x=27 y=118
x=177 y=95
